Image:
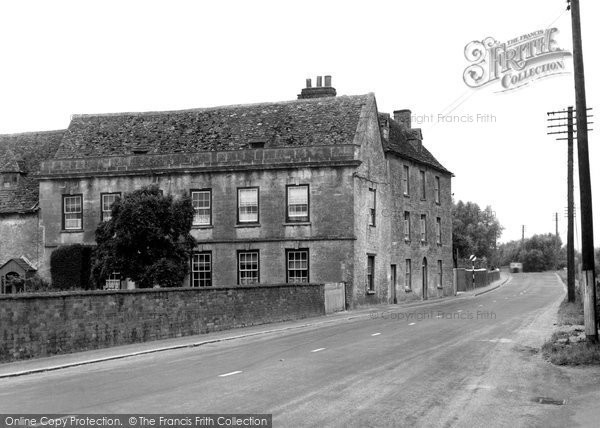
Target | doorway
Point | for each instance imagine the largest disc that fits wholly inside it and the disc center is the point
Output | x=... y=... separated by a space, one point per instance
x=394 y=298
x=424 y=278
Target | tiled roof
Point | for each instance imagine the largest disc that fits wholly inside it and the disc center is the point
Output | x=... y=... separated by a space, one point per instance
x=308 y=122
x=399 y=142
x=22 y=264
x=23 y=153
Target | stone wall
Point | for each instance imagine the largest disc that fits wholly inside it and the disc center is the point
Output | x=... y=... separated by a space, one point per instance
x=19 y=236
x=40 y=325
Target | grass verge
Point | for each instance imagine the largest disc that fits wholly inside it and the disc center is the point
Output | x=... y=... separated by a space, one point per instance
x=560 y=350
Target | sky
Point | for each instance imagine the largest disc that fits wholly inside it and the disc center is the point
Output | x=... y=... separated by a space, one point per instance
x=61 y=58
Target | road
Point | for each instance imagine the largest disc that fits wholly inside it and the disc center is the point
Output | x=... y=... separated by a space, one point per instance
x=460 y=362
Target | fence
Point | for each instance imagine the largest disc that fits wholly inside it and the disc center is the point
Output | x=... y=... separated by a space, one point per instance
x=469 y=279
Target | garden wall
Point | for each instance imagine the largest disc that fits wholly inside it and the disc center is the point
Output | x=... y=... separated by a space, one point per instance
x=43 y=324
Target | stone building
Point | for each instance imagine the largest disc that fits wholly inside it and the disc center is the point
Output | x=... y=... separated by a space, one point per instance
x=311 y=190
x=20 y=157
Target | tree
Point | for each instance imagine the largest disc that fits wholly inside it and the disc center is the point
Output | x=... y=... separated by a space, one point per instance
x=536 y=253
x=147 y=239
x=474 y=231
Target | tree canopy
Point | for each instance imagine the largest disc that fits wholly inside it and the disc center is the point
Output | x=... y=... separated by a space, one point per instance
x=147 y=239
x=474 y=231
x=537 y=253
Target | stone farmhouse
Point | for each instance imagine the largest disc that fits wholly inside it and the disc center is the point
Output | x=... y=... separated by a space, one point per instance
x=324 y=188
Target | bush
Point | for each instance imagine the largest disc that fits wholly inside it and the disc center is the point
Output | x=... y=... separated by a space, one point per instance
x=70 y=267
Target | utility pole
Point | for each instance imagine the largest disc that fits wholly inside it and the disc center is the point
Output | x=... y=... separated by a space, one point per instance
x=522 y=236
x=556 y=248
x=585 y=186
x=570 y=210
x=570 y=202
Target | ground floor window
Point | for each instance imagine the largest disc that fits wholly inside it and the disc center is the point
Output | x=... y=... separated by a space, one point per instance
x=202 y=269
x=370 y=273
x=297 y=265
x=248 y=267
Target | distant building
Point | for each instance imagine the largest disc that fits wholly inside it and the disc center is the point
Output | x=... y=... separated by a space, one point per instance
x=20 y=157
x=319 y=189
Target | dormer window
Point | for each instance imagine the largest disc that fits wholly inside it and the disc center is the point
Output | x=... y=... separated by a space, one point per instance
x=256 y=144
x=10 y=179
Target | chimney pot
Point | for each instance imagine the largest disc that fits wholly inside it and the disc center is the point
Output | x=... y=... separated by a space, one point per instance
x=403 y=116
x=328 y=81
x=319 y=81
x=308 y=83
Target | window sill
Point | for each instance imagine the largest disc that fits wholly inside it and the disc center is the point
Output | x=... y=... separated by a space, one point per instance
x=406 y=195
x=297 y=223
x=242 y=225
x=407 y=241
x=71 y=231
x=370 y=292
x=202 y=226
x=407 y=289
x=423 y=242
x=439 y=287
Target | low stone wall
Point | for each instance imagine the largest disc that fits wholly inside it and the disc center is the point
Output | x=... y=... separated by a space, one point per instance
x=463 y=278
x=40 y=325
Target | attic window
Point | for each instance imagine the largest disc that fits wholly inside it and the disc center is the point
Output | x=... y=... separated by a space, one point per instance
x=256 y=144
x=10 y=179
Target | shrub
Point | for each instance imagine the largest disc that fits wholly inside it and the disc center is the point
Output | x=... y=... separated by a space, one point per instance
x=70 y=267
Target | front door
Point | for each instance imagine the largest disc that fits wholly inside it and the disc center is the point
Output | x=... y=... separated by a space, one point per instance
x=394 y=299
x=424 y=278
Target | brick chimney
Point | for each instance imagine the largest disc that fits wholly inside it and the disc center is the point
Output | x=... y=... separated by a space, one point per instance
x=319 y=91
x=403 y=116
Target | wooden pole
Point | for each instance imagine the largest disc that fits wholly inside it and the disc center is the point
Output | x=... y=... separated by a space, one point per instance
x=570 y=211
x=585 y=186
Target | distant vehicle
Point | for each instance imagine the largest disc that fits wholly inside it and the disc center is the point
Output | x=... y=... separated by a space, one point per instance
x=516 y=267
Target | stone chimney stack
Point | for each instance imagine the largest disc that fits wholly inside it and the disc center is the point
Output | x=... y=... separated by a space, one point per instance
x=319 y=91
x=403 y=116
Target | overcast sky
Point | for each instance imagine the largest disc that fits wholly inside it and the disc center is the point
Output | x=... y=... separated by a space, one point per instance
x=65 y=57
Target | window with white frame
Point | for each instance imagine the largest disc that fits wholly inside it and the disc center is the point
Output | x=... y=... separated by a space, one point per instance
x=437 y=189
x=439 y=266
x=423 y=228
x=297 y=203
x=423 y=185
x=406 y=226
x=372 y=202
x=405 y=180
x=113 y=282
x=72 y=212
x=108 y=199
x=248 y=267
x=201 y=201
x=201 y=269
x=370 y=273
x=408 y=274
x=438 y=230
x=248 y=205
x=297 y=266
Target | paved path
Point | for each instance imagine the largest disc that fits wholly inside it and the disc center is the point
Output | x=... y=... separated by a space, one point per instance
x=468 y=361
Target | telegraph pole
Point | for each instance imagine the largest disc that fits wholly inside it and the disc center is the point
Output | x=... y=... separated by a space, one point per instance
x=570 y=210
x=556 y=248
x=585 y=186
x=570 y=189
